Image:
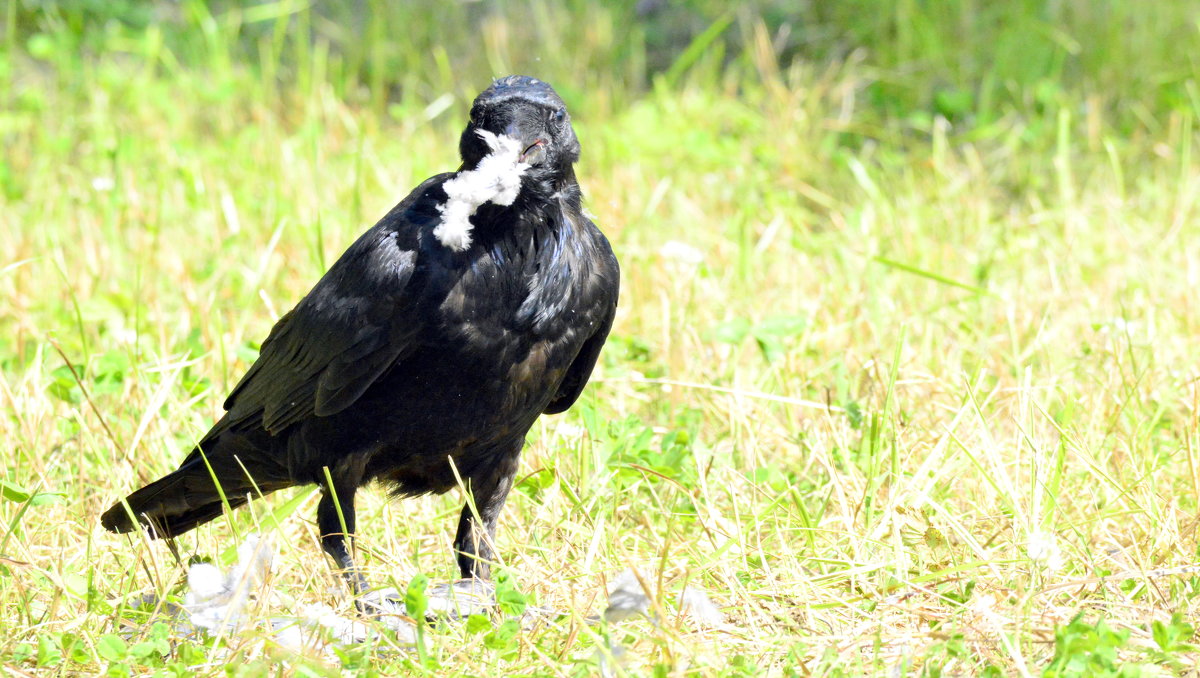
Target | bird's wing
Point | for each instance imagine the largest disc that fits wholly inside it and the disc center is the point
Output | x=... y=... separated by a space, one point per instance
x=356 y=322
x=605 y=283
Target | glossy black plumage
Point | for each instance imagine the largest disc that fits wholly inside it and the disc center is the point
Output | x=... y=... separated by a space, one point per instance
x=409 y=356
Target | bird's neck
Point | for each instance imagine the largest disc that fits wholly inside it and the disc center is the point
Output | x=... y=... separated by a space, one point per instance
x=537 y=191
x=567 y=194
x=543 y=208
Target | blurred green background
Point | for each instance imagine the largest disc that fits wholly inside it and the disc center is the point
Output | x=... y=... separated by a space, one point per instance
x=965 y=60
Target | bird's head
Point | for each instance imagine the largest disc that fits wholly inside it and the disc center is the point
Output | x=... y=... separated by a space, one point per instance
x=530 y=111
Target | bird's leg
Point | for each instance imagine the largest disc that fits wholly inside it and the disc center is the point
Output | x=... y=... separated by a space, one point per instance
x=474 y=540
x=337 y=531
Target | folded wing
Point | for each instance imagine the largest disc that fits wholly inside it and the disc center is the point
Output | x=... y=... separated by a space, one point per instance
x=326 y=352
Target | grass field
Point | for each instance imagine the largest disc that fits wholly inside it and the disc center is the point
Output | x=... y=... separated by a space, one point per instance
x=905 y=373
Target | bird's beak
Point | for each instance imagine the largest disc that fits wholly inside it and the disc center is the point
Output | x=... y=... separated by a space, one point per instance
x=534 y=152
x=534 y=145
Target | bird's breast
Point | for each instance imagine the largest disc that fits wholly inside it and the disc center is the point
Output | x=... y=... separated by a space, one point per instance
x=516 y=289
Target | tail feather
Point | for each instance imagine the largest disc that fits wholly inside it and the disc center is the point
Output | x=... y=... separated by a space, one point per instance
x=189 y=497
x=163 y=520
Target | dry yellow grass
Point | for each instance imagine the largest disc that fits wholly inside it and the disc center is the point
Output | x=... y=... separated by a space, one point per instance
x=901 y=395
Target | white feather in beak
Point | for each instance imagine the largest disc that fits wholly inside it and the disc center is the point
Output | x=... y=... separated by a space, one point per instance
x=496 y=179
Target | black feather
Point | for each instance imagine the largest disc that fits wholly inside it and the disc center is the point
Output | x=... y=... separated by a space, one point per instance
x=410 y=362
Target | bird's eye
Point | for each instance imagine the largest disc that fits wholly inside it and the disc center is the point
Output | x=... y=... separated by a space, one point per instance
x=559 y=116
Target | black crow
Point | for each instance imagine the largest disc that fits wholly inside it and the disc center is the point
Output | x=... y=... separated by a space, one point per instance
x=427 y=351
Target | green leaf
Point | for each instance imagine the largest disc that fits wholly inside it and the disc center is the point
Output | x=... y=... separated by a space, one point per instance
x=112 y=366
x=22 y=652
x=44 y=498
x=781 y=326
x=415 y=600
x=1158 y=631
x=48 y=652
x=64 y=387
x=76 y=584
x=533 y=484
x=478 y=623
x=504 y=635
x=731 y=331
x=509 y=598
x=14 y=492
x=771 y=347
x=854 y=414
x=111 y=647
x=143 y=649
x=160 y=635
x=191 y=654
x=75 y=649
x=247 y=353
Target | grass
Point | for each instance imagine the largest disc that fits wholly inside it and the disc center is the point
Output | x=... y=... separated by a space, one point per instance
x=904 y=374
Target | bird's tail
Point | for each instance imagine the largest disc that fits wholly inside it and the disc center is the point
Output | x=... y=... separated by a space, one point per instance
x=189 y=496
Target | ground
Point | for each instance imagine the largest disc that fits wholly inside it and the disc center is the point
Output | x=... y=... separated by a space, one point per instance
x=904 y=375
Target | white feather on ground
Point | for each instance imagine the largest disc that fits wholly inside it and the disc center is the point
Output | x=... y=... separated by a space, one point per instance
x=694 y=602
x=496 y=179
x=627 y=598
x=216 y=600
